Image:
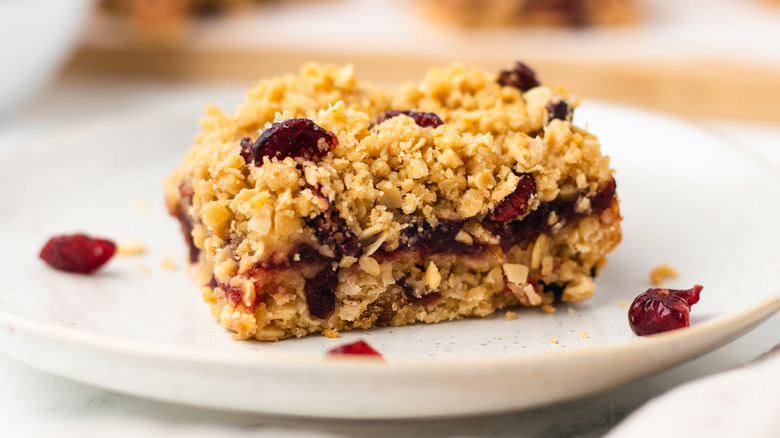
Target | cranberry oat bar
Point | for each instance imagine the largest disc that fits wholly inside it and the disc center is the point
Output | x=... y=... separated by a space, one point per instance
x=328 y=204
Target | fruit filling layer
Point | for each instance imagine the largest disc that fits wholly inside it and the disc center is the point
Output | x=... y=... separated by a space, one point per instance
x=419 y=240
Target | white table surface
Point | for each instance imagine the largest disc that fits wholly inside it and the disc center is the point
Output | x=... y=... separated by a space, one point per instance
x=33 y=403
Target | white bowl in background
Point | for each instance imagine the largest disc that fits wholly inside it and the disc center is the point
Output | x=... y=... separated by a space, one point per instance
x=36 y=38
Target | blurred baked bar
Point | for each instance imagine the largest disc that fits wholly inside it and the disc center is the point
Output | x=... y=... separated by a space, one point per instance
x=530 y=12
x=165 y=21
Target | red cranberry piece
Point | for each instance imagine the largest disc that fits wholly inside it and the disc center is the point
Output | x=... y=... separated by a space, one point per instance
x=246 y=149
x=516 y=204
x=534 y=223
x=558 y=110
x=77 y=253
x=428 y=239
x=186 y=190
x=661 y=310
x=232 y=294
x=426 y=120
x=320 y=293
x=520 y=77
x=293 y=138
x=355 y=348
x=332 y=230
x=604 y=196
x=186 y=230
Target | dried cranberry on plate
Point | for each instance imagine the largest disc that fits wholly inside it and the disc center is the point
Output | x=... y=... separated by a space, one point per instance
x=360 y=348
x=661 y=310
x=77 y=253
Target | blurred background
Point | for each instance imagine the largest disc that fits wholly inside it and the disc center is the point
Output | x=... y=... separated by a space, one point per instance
x=692 y=57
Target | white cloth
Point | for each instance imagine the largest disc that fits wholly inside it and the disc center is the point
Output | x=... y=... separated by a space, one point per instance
x=742 y=402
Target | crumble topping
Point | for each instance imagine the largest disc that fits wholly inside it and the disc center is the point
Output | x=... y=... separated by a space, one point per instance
x=459 y=169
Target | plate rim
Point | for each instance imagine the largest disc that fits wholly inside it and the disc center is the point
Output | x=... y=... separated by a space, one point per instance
x=14 y=323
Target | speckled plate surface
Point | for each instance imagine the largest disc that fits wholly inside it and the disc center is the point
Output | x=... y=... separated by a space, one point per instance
x=136 y=327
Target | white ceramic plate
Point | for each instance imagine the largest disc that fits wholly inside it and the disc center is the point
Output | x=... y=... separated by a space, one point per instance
x=687 y=198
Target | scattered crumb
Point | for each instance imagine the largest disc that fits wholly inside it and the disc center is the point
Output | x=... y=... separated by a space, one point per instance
x=623 y=303
x=661 y=273
x=168 y=264
x=584 y=335
x=143 y=269
x=140 y=204
x=330 y=333
x=130 y=247
x=548 y=308
x=551 y=350
x=572 y=310
x=510 y=315
x=553 y=340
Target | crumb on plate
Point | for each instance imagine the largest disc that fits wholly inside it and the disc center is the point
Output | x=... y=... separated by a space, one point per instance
x=168 y=264
x=140 y=204
x=330 y=333
x=661 y=273
x=131 y=247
